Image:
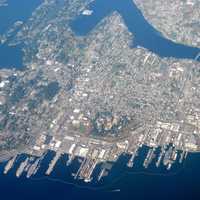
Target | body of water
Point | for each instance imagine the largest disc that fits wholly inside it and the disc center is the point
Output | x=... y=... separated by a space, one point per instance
x=144 y=34
x=182 y=182
x=12 y=56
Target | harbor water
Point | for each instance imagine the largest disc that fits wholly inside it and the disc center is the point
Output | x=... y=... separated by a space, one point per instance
x=136 y=183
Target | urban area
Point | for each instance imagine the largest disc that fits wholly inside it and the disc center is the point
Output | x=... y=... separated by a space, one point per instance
x=95 y=97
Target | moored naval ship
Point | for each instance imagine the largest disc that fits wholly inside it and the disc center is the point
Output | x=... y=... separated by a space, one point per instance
x=33 y=168
x=21 y=168
x=10 y=164
x=53 y=163
x=131 y=160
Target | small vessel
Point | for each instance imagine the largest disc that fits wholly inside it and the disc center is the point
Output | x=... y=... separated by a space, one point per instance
x=116 y=190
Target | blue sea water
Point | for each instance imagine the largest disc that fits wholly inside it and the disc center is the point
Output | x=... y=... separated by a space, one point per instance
x=18 y=10
x=139 y=184
x=145 y=35
x=11 y=56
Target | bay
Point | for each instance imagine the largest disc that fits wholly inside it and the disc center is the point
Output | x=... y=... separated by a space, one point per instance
x=12 y=56
x=145 y=35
